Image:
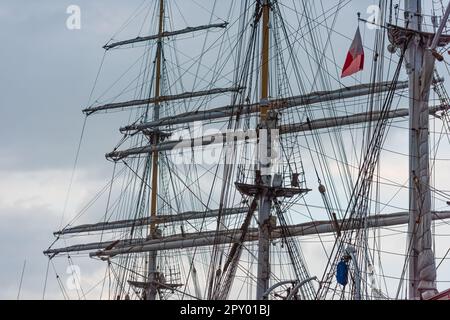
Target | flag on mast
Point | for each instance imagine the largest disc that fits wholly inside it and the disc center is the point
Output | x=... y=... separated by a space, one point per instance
x=355 y=57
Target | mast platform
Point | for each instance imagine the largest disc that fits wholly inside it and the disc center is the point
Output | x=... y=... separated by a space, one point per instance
x=272 y=191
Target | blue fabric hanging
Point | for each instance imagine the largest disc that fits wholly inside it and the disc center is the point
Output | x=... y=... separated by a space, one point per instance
x=342 y=273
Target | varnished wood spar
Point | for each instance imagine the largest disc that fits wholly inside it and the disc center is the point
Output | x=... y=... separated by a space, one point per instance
x=157 y=219
x=152 y=265
x=265 y=141
x=159 y=99
x=155 y=138
x=165 y=34
x=265 y=57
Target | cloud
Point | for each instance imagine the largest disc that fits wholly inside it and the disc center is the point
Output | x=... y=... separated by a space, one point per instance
x=45 y=189
x=31 y=206
x=24 y=234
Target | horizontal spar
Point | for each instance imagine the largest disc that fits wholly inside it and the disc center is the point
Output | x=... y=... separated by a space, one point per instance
x=141 y=102
x=164 y=35
x=251 y=134
x=307 y=99
x=121 y=224
x=231 y=236
x=194 y=239
x=347 y=120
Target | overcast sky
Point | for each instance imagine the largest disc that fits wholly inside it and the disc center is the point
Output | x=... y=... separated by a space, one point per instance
x=46 y=75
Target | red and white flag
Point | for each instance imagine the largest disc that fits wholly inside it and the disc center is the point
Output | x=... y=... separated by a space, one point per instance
x=355 y=57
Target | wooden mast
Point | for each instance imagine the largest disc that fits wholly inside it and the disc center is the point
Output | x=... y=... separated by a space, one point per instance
x=152 y=290
x=265 y=57
x=155 y=154
x=264 y=201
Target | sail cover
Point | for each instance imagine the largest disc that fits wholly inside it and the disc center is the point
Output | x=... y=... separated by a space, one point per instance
x=355 y=57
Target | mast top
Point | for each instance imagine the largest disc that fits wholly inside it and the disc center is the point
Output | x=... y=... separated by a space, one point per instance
x=265 y=59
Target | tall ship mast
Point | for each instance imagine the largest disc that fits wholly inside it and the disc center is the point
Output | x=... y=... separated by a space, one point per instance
x=253 y=166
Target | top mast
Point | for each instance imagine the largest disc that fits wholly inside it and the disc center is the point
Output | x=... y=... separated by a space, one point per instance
x=151 y=292
x=264 y=201
x=265 y=56
x=153 y=207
